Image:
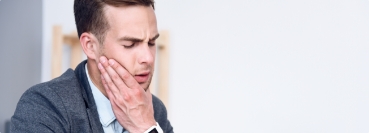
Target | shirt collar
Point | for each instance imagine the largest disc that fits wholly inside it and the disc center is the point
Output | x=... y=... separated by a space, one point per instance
x=103 y=105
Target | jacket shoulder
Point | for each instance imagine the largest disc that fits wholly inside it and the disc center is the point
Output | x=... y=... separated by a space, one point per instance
x=64 y=88
x=45 y=106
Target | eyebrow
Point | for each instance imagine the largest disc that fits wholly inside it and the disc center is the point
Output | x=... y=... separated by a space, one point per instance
x=134 y=39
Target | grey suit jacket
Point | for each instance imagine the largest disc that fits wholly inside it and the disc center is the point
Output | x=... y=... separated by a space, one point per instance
x=66 y=104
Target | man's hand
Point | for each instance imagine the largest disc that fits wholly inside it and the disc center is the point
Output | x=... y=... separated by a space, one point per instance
x=132 y=105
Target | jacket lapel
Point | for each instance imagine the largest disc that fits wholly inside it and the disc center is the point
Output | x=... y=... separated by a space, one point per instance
x=91 y=108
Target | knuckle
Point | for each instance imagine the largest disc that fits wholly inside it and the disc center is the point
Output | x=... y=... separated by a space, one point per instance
x=119 y=102
x=115 y=77
x=127 y=97
x=102 y=71
x=119 y=84
x=106 y=63
x=115 y=65
x=110 y=83
x=125 y=75
x=136 y=92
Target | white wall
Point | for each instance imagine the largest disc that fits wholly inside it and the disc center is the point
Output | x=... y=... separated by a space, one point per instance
x=55 y=12
x=262 y=66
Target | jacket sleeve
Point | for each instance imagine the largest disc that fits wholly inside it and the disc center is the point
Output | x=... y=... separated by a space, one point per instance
x=39 y=110
x=160 y=114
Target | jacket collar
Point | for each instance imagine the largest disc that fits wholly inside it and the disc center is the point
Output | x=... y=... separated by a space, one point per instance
x=91 y=109
x=86 y=90
x=102 y=103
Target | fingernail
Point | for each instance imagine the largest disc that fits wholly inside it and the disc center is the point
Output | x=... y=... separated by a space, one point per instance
x=102 y=59
x=99 y=66
x=111 y=62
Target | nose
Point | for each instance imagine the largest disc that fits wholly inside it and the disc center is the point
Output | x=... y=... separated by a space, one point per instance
x=146 y=54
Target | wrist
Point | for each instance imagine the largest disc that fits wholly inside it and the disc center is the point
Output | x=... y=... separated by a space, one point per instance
x=154 y=129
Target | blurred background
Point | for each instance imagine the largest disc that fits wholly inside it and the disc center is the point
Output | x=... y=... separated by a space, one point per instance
x=258 y=66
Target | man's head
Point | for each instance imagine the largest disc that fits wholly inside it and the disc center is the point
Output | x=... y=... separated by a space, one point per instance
x=123 y=30
x=89 y=14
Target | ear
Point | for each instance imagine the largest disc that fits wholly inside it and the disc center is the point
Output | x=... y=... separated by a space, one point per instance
x=90 y=45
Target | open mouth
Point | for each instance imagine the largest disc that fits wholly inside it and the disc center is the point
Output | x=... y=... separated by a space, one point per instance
x=142 y=78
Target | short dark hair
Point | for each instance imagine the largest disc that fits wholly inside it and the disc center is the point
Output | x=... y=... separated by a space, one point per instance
x=89 y=15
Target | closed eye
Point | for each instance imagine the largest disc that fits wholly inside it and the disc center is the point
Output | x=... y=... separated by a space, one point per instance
x=151 y=44
x=130 y=46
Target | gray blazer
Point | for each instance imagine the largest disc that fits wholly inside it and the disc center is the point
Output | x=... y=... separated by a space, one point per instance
x=66 y=104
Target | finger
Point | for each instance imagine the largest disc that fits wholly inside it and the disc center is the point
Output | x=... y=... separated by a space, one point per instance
x=120 y=88
x=114 y=76
x=109 y=94
x=117 y=107
x=107 y=82
x=112 y=73
x=127 y=77
x=113 y=100
x=102 y=79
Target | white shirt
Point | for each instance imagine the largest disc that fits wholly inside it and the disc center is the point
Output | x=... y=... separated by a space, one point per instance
x=106 y=115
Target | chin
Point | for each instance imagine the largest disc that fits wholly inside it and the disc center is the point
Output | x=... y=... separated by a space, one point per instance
x=145 y=86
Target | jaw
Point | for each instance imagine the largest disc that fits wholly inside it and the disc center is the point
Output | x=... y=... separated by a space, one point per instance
x=146 y=85
x=94 y=74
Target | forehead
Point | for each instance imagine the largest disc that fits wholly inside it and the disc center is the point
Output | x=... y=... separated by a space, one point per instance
x=133 y=20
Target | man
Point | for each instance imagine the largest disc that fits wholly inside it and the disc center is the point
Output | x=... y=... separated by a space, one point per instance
x=108 y=92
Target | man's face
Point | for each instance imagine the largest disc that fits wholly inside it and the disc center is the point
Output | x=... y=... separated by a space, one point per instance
x=131 y=40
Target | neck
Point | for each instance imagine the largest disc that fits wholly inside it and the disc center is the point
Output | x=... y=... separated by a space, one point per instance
x=95 y=77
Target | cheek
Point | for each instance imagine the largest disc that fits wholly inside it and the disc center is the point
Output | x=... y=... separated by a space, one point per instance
x=129 y=64
x=111 y=52
x=98 y=51
x=126 y=60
